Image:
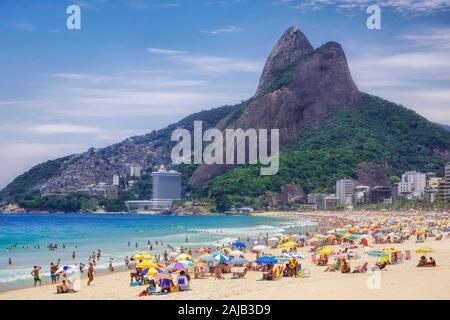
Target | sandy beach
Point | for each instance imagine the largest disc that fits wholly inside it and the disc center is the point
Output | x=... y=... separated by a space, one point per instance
x=400 y=281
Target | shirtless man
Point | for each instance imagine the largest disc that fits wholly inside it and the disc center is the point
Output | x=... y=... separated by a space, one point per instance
x=90 y=273
x=53 y=269
x=35 y=273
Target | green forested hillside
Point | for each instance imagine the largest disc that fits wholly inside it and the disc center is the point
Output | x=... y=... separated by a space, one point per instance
x=381 y=132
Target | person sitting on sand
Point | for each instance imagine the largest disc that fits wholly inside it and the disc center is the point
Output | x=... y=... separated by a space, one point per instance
x=422 y=262
x=182 y=281
x=345 y=268
x=361 y=269
x=62 y=288
x=335 y=267
x=431 y=263
x=269 y=274
x=381 y=265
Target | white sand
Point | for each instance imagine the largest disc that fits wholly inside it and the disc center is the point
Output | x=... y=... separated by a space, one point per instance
x=403 y=281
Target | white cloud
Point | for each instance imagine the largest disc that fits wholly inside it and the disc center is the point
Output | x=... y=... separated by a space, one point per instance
x=208 y=63
x=230 y=29
x=437 y=38
x=406 y=7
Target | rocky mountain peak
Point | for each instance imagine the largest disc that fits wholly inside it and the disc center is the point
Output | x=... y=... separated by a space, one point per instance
x=292 y=45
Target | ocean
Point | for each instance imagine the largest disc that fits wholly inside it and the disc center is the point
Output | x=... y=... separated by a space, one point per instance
x=24 y=238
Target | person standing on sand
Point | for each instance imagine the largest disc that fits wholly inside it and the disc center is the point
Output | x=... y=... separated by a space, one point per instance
x=90 y=273
x=126 y=261
x=53 y=269
x=73 y=255
x=9 y=262
x=35 y=273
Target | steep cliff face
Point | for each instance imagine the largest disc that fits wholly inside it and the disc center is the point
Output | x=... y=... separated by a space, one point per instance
x=299 y=88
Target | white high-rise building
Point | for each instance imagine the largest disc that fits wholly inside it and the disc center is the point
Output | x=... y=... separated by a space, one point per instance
x=116 y=180
x=134 y=170
x=344 y=190
x=413 y=185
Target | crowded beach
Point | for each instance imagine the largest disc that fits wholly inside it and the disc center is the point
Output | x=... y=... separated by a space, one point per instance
x=349 y=256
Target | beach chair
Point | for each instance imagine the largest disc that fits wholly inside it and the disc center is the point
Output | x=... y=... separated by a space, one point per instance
x=407 y=254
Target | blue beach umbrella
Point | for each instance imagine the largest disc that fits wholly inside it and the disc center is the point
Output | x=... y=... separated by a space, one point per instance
x=221 y=258
x=239 y=245
x=302 y=237
x=378 y=234
x=266 y=260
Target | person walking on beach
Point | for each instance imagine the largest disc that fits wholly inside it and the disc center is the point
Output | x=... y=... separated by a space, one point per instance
x=53 y=269
x=35 y=273
x=90 y=274
x=126 y=261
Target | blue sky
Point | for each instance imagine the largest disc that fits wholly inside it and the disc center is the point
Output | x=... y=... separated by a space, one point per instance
x=139 y=65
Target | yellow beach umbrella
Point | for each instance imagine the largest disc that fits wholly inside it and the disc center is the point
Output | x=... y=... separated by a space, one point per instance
x=289 y=244
x=420 y=232
x=330 y=231
x=143 y=256
x=319 y=236
x=183 y=256
x=424 y=249
x=389 y=249
x=146 y=264
x=326 y=250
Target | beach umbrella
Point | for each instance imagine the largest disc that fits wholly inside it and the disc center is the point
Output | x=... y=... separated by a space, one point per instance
x=238 y=261
x=221 y=258
x=239 y=245
x=446 y=229
x=146 y=264
x=162 y=275
x=66 y=269
x=236 y=253
x=187 y=263
x=266 y=260
x=347 y=245
x=199 y=263
x=424 y=249
x=378 y=254
x=183 y=256
x=297 y=255
x=319 y=236
x=176 y=266
x=202 y=249
x=288 y=244
x=389 y=249
x=378 y=234
x=274 y=239
x=143 y=256
x=150 y=271
x=259 y=247
x=302 y=237
x=354 y=236
x=326 y=250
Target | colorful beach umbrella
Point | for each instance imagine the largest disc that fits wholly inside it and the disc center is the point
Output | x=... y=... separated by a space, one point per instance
x=146 y=264
x=176 y=266
x=377 y=253
x=236 y=253
x=221 y=258
x=143 y=256
x=289 y=244
x=266 y=260
x=202 y=249
x=183 y=256
x=326 y=250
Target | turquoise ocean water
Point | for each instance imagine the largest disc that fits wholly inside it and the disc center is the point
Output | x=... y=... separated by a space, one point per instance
x=21 y=234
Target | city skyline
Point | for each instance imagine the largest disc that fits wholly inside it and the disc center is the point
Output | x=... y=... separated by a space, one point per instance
x=65 y=91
